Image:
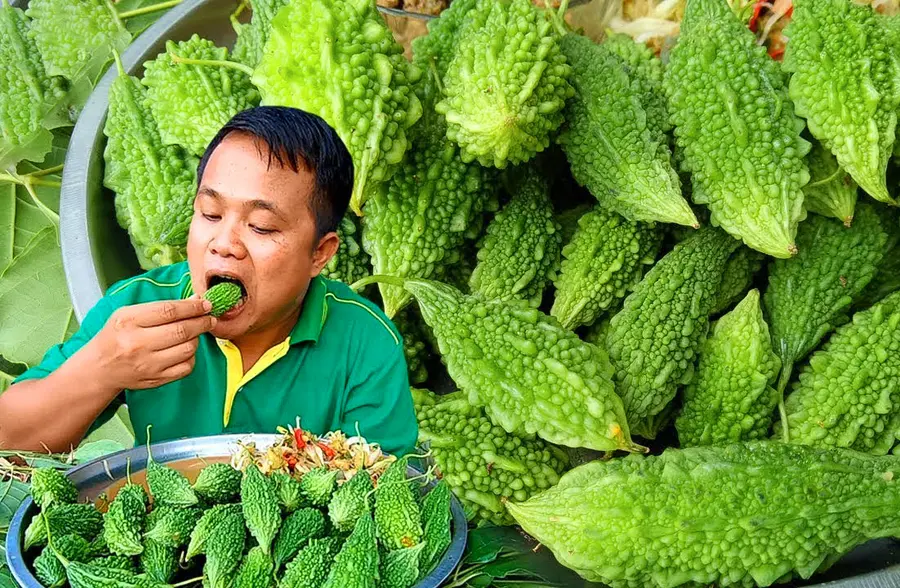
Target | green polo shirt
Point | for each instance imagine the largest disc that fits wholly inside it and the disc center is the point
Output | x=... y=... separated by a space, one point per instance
x=342 y=367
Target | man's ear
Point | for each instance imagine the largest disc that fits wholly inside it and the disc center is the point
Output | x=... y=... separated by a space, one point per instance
x=325 y=250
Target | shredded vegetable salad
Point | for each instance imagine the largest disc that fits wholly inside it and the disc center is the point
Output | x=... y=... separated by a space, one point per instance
x=299 y=451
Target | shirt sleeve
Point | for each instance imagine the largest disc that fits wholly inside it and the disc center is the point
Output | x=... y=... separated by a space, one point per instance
x=380 y=404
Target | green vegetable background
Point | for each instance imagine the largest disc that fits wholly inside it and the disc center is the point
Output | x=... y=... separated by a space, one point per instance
x=649 y=293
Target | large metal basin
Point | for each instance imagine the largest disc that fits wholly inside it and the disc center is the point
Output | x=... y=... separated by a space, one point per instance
x=95 y=477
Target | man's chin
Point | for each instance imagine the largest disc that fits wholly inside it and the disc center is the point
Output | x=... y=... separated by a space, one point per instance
x=229 y=329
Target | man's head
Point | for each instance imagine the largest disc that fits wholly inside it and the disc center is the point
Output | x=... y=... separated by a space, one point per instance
x=271 y=189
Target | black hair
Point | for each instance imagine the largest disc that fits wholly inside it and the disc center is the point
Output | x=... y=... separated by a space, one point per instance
x=295 y=137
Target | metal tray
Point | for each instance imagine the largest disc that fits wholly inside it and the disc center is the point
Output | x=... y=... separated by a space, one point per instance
x=96 y=476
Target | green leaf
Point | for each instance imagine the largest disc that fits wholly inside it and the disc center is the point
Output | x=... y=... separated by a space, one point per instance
x=95 y=449
x=138 y=24
x=7 y=223
x=12 y=493
x=485 y=543
x=35 y=310
x=539 y=565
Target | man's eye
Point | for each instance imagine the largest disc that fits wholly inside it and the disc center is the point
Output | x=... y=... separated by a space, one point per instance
x=261 y=231
x=211 y=217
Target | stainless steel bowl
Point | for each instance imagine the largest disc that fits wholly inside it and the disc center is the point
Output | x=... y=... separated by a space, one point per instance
x=95 y=477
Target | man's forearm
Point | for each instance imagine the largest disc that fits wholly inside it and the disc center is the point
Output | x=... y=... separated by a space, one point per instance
x=55 y=412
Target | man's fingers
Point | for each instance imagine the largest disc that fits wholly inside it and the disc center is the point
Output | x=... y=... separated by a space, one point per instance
x=166 y=358
x=176 y=372
x=153 y=314
x=166 y=336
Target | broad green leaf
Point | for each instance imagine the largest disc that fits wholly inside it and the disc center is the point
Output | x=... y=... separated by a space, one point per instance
x=29 y=222
x=485 y=543
x=534 y=565
x=35 y=310
x=138 y=24
x=92 y=450
x=12 y=493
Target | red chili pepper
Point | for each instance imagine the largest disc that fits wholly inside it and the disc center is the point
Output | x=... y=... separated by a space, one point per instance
x=776 y=54
x=298 y=437
x=328 y=451
x=754 y=18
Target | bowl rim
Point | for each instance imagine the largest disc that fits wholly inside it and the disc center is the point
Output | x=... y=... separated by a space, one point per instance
x=182 y=449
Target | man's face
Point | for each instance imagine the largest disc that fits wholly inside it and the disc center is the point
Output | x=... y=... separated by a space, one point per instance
x=253 y=224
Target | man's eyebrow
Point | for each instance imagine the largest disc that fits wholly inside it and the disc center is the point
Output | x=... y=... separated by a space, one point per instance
x=265 y=205
x=207 y=191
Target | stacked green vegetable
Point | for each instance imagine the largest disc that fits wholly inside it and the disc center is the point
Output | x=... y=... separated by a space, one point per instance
x=231 y=529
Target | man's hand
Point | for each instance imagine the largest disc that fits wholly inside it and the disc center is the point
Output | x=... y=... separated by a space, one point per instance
x=148 y=345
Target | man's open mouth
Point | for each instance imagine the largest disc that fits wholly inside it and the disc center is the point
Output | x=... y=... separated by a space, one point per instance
x=220 y=279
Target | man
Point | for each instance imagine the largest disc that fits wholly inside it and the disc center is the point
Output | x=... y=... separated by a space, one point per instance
x=272 y=188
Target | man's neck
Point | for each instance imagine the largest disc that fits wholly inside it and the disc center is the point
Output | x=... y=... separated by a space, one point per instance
x=253 y=345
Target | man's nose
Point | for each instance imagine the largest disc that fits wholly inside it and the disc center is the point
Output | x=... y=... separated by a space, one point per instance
x=228 y=242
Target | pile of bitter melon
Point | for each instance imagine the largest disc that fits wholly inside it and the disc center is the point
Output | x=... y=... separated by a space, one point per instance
x=234 y=529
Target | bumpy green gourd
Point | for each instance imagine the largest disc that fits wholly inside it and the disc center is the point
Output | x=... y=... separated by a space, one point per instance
x=77 y=39
x=224 y=548
x=605 y=258
x=435 y=526
x=520 y=253
x=885 y=281
x=736 y=129
x=28 y=95
x=416 y=341
x=169 y=487
x=154 y=183
x=81 y=519
x=364 y=89
x=849 y=394
x=256 y=571
x=159 y=562
x=252 y=37
x=224 y=296
x=311 y=566
x=437 y=48
x=831 y=191
x=846 y=82
x=173 y=529
x=350 y=501
x=506 y=85
x=289 y=491
x=88 y=575
x=737 y=515
x=731 y=397
x=416 y=223
x=47 y=566
x=397 y=517
x=811 y=294
x=49 y=486
x=653 y=341
x=209 y=521
x=191 y=102
x=218 y=482
x=645 y=70
x=351 y=262
x=120 y=562
x=737 y=277
x=568 y=220
x=610 y=141
x=298 y=528
x=124 y=520
x=481 y=462
x=530 y=374
x=399 y=568
x=356 y=565
x=318 y=485
x=259 y=502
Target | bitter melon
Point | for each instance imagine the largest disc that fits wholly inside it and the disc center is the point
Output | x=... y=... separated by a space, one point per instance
x=289 y=490
x=849 y=393
x=318 y=485
x=260 y=507
x=174 y=527
x=81 y=519
x=356 y=565
x=397 y=516
x=654 y=339
x=731 y=397
x=124 y=521
x=350 y=501
x=298 y=528
x=218 y=482
x=737 y=515
x=208 y=522
x=256 y=571
x=224 y=296
x=435 y=525
x=224 y=548
x=831 y=191
x=47 y=566
x=311 y=566
x=49 y=486
x=399 y=568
